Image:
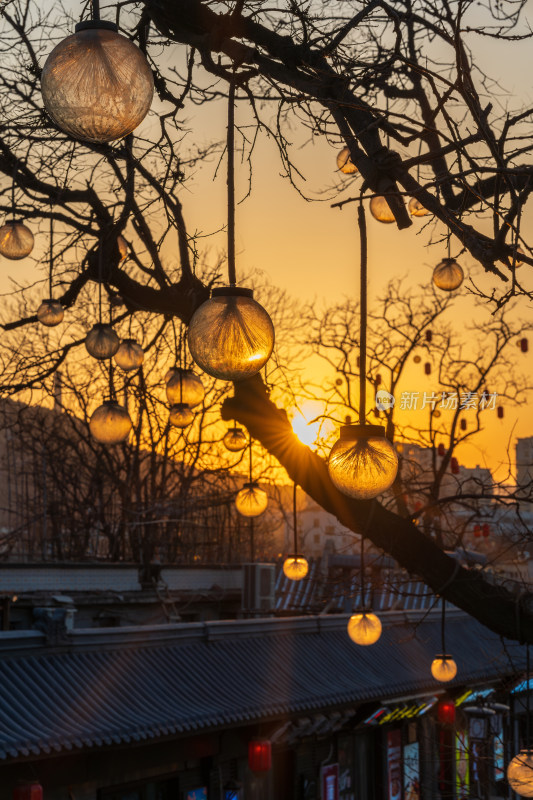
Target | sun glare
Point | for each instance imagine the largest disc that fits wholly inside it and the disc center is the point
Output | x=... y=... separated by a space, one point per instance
x=307 y=432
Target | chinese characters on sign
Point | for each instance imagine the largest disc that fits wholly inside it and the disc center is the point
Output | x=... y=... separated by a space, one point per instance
x=447 y=401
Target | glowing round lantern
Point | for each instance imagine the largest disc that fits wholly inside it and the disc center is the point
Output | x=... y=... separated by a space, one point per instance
x=520 y=773
x=446 y=712
x=448 y=275
x=122 y=247
x=50 y=313
x=362 y=462
x=295 y=567
x=183 y=386
x=380 y=209
x=443 y=668
x=416 y=209
x=16 y=240
x=180 y=415
x=96 y=84
x=110 y=423
x=345 y=163
x=364 y=628
x=102 y=342
x=129 y=355
x=251 y=501
x=235 y=440
x=231 y=336
x=259 y=756
x=436 y=413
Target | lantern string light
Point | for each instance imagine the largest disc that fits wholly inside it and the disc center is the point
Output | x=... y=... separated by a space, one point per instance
x=51 y=267
x=363 y=314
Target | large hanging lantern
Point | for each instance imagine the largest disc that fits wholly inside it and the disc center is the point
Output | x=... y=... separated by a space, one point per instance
x=259 y=755
x=380 y=209
x=183 y=386
x=110 y=423
x=28 y=791
x=181 y=415
x=443 y=668
x=251 y=501
x=235 y=440
x=448 y=275
x=364 y=628
x=16 y=240
x=97 y=85
x=50 y=313
x=129 y=355
x=520 y=773
x=416 y=209
x=446 y=712
x=295 y=567
x=345 y=163
x=231 y=336
x=362 y=463
x=102 y=342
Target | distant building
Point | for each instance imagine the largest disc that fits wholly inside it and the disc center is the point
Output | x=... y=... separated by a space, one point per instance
x=524 y=463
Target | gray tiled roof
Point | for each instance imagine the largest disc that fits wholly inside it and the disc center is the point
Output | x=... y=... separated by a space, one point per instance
x=115 y=686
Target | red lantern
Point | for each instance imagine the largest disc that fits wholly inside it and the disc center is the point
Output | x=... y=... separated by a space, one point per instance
x=441 y=450
x=429 y=336
x=418 y=505
x=28 y=791
x=455 y=466
x=499 y=412
x=446 y=712
x=477 y=531
x=485 y=530
x=259 y=755
x=463 y=424
x=427 y=368
x=523 y=345
x=378 y=380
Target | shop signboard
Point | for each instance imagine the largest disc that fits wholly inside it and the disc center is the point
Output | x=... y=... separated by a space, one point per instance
x=329 y=780
x=411 y=772
x=394 y=764
x=462 y=775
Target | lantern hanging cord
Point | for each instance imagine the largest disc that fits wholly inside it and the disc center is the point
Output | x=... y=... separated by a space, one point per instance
x=230 y=146
x=443 y=626
x=51 y=268
x=295 y=518
x=363 y=314
x=13 y=192
x=250 y=453
x=362 y=570
x=181 y=365
x=111 y=382
x=100 y=271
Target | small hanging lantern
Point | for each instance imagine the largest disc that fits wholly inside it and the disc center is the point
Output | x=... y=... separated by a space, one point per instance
x=183 y=386
x=122 y=247
x=441 y=450
x=455 y=466
x=102 y=342
x=16 y=241
x=380 y=209
x=50 y=313
x=520 y=773
x=443 y=668
x=259 y=755
x=97 y=86
x=462 y=424
x=231 y=336
x=477 y=531
x=427 y=368
x=251 y=501
x=446 y=712
x=377 y=382
x=417 y=359
x=485 y=530
x=110 y=423
x=416 y=209
x=448 y=275
x=345 y=163
x=129 y=355
x=499 y=412
x=436 y=413
x=362 y=462
x=28 y=791
x=180 y=415
x=364 y=628
x=429 y=336
x=295 y=566
x=524 y=345
x=235 y=440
